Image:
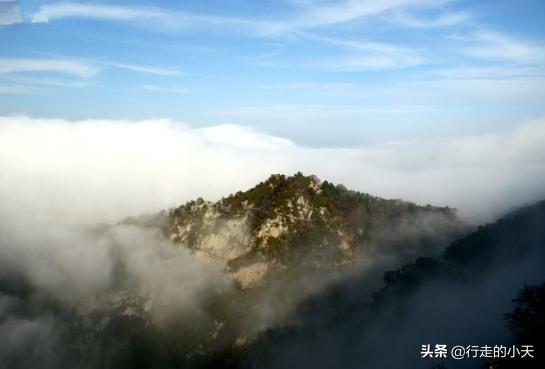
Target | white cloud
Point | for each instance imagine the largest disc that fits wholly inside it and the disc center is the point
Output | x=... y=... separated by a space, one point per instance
x=66 y=66
x=93 y=171
x=497 y=46
x=366 y=55
x=321 y=13
x=79 y=73
x=373 y=62
x=58 y=177
x=306 y=14
x=447 y=19
x=57 y=11
x=244 y=137
x=147 y=69
x=150 y=17
x=38 y=82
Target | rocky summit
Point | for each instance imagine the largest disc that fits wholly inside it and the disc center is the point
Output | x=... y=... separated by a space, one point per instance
x=297 y=224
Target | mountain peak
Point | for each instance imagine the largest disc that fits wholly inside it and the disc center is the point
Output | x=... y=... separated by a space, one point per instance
x=298 y=222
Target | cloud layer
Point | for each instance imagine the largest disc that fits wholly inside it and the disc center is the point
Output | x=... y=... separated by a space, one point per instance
x=101 y=171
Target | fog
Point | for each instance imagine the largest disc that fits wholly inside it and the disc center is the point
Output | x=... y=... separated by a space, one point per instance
x=62 y=181
x=449 y=303
x=439 y=313
x=97 y=170
x=61 y=177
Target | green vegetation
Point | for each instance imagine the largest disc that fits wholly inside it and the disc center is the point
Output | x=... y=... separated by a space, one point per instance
x=293 y=218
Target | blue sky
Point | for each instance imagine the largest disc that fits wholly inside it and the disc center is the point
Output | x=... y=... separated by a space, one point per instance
x=320 y=72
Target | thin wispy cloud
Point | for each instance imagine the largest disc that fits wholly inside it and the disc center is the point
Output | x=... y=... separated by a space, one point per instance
x=322 y=13
x=367 y=55
x=147 y=69
x=491 y=45
x=153 y=18
x=52 y=12
x=374 y=61
x=305 y=15
x=447 y=19
x=45 y=81
x=30 y=76
x=359 y=45
x=285 y=63
x=65 y=66
x=297 y=25
x=19 y=74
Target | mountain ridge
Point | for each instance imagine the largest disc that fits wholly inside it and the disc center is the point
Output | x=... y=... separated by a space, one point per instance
x=296 y=220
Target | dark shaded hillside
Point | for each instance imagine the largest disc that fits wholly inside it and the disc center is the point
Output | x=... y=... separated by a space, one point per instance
x=527 y=325
x=517 y=237
x=460 y=298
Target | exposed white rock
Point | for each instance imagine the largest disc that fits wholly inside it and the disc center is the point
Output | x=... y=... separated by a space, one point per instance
x=250 y=276
x=223 y=240
x=304 y=207
x=314 y=186
x=274 y=227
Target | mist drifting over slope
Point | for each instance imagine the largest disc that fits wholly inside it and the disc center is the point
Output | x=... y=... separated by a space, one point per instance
x=60 y=179
x=458 y=298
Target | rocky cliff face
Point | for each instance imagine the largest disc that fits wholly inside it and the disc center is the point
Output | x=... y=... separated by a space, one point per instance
x=297 y=223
